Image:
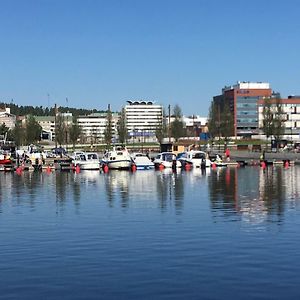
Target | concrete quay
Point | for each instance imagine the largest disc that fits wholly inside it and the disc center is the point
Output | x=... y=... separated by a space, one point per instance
x=270 y=157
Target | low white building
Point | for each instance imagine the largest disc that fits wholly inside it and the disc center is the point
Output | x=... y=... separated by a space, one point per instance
x=291 y=114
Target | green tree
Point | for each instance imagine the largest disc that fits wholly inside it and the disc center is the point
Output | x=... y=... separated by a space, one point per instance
x=3 y=130
x=213 y=121
x=122 y=128
x=108 y=129
x=278 y=121
x=226 y=126
x=33 y=130
x=267 y=125
x=74 y=132
x=161 y=128
x=60 y=129
x=177 y=126
x=18 y=134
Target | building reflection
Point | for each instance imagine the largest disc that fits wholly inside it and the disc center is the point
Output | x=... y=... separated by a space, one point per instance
x=169 y=186
x=252 y=194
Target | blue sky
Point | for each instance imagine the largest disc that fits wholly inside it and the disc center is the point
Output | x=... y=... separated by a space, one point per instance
x=168 y=51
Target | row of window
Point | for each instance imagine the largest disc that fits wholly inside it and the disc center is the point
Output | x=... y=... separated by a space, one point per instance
x=248 y=120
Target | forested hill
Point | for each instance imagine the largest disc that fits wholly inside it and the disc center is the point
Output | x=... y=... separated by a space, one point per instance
x=45 y=111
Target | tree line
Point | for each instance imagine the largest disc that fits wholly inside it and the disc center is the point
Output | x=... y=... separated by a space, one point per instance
x=45 y=111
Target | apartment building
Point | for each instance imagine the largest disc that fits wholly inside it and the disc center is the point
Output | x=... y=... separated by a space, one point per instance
x=94 y=125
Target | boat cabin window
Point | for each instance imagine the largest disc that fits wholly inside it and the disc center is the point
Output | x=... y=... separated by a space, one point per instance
x=168 y=157
x=198 y=155
x=82 y=157
x=92 y=156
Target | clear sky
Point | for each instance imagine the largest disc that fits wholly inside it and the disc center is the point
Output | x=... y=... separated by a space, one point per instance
x=168 y=51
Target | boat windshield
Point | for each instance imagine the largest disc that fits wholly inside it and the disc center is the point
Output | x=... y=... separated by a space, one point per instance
x=168 y=156
x=92 y=156
x=82 y=157
x=182 y=155
x=198 y=155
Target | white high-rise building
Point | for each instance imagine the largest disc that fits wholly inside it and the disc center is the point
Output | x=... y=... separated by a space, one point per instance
x=143 y=118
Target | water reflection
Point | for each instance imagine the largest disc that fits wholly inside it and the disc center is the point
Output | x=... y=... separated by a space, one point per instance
x=145 y=188
x=248 y=194
x=252 y=194
x=170 y=185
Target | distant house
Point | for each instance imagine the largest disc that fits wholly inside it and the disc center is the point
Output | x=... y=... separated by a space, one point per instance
x=7 y=118
x=48 y=126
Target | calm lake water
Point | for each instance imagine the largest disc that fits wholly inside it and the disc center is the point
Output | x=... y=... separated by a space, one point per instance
x=223 y=234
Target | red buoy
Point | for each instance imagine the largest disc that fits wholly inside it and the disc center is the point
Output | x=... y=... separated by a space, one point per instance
x=19 y=170
x=213 y=165
x=133 y=167
x=105 y=168
x=48 y=170
x=286 y=164
x=161 y=167
x=263 y=164
x=188 y=167
x=77 y=169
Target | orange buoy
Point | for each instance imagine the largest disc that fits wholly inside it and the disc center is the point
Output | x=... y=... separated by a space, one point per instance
x=133 y=167
x=48 y=170
x=213 y=165
x=263 y=164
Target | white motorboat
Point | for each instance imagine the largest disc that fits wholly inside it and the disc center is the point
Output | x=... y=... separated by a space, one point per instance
x=142 y=161
x=117 y=158
x=195 y=158
x=87 y=161
x=166 y=160
x=216 y=161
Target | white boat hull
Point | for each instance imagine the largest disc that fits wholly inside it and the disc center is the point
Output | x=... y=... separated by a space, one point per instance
x=89 y=166
x=119 y=164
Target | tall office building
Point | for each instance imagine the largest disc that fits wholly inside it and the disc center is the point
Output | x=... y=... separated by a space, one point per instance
x=143 y=118
x=242 y=100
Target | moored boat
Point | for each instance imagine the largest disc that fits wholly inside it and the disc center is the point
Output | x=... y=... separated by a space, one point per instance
x=117 y=158
x=194 y=158
x=142 y=161
x=87 y=161
x=166 y=160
